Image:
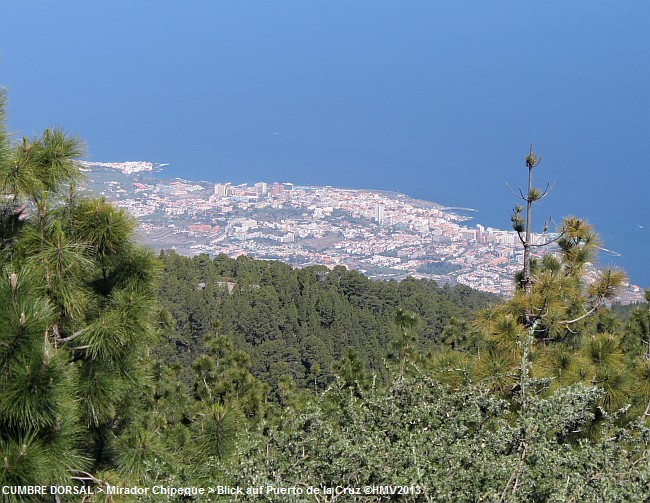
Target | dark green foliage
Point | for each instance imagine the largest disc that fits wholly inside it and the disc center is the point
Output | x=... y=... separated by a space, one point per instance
x=351 y=371
x=76 y=303
x=289 y=320
x=495 y=434
x=624 y=311
x=39 y=432
x=637 y=329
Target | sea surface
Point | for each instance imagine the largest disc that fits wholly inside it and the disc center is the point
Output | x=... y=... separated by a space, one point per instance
x=439 y=100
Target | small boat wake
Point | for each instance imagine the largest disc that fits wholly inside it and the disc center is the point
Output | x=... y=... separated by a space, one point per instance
x=611 y=252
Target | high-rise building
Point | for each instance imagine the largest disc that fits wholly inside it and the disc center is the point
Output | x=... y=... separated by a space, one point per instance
x=221 y=189
x=468 y=234
x=379 y=214
x=261 y=188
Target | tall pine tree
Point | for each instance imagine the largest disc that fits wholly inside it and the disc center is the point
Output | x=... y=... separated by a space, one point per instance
x=76 y=303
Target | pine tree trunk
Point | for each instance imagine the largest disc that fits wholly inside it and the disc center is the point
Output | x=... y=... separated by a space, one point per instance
x=527 y=280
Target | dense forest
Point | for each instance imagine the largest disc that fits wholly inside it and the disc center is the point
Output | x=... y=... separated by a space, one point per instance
x=297 y=323
x=119 y=368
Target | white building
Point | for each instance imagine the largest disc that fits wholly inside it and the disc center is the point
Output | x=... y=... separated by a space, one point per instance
x=378 y=214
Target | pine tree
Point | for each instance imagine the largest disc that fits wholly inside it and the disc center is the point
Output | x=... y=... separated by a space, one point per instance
x=552 y=292
x=524 y=226
x=403 y=345
x=76 y=302
x=39 y=428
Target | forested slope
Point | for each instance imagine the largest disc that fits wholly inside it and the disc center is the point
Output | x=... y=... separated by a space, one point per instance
x=300 y=322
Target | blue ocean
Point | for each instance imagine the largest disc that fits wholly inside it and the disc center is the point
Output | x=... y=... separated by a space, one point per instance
x=439 y=100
